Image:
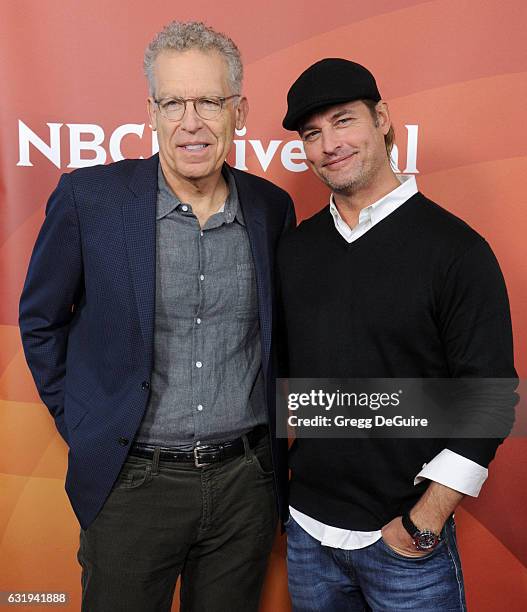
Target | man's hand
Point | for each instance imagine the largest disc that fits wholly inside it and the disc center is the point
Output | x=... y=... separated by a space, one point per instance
x=397 y=538
x=431 y=511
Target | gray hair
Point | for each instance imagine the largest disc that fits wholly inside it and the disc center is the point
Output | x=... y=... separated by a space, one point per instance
x=182 y=36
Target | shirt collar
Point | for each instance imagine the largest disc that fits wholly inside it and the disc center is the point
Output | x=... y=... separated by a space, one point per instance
x=168 y=201
x=231 y=207
x=384 y=206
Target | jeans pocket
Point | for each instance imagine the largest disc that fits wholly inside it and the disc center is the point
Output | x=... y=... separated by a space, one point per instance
x=260 y=457
x=398 y=555
x=133 y=476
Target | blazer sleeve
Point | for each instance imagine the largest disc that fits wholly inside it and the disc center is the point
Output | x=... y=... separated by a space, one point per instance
x=282 y=368
x=53 y=286
x=290 y=217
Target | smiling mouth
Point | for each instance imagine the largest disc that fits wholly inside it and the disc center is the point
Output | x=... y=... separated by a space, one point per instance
x=340 y=159
x=194 y=147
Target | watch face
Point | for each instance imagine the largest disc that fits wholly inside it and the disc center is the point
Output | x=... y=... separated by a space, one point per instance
x=426 y=540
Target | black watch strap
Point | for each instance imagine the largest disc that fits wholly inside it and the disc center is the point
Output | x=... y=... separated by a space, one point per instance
x=409 y=526
x=424 y=539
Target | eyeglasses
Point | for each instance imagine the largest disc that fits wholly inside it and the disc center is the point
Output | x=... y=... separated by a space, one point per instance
x=173 y=109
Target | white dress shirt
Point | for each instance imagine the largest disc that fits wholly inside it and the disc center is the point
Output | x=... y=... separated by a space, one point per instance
x=448 y=468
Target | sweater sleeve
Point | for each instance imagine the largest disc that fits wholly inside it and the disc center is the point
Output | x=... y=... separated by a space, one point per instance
x=475 y=325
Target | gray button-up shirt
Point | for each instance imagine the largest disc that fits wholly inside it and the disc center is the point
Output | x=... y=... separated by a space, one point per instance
x=207 y=382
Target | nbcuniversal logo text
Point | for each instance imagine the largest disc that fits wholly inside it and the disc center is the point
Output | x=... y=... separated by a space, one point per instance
x=89 y=145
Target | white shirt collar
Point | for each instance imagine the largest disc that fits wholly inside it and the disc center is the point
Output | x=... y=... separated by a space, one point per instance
x=377 y=211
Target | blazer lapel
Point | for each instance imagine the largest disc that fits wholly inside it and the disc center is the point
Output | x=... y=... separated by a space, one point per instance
x=253 y=208
x=139 y=218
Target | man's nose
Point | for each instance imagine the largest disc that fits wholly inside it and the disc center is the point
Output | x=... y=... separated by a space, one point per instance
x=330 y=142
x=190 y=121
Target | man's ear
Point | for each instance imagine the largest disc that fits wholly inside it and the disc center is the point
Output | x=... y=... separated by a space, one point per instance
x=151 y=109
x=242 y=110
x=383 y=116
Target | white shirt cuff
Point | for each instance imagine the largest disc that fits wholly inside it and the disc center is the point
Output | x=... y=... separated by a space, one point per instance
x=454 y=471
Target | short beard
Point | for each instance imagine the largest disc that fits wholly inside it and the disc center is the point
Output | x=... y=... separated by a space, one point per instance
x=365 y=178
x=347 y=188
x=351 y=186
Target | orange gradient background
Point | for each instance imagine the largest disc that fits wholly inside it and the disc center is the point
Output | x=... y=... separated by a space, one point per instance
x=455 y=68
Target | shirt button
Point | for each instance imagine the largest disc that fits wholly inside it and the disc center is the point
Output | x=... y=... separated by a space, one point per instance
x=201 y=277
x=198 y=321
x=145 y=385
x=201 y=233
x=123 y=441
x=184 y=208
x=198 y=364
x=200 y=407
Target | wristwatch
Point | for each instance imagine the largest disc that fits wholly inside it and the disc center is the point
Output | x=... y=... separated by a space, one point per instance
x=424 y=540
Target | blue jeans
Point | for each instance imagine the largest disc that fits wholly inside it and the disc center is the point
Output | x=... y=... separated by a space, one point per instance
x=374 y=578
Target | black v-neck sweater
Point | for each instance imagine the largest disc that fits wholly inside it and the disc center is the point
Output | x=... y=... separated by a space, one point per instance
x=420 y=294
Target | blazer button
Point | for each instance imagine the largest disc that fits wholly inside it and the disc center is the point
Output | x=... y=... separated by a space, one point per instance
x=124 y=441
x=145 y=385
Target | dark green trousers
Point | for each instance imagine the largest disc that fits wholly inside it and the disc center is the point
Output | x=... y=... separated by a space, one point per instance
x=214 y=526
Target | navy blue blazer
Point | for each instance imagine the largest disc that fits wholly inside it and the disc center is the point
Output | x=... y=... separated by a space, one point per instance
x=87 y=313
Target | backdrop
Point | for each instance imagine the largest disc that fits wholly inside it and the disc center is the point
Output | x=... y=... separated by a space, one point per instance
x=73 y=94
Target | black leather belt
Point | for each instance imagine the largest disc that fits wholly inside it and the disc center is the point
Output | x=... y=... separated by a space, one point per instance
x=204 y=454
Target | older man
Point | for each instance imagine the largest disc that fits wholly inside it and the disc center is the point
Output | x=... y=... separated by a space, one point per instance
x=146 y=320
x=382 y=283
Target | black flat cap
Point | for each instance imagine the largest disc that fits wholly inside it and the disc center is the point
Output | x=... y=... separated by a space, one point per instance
x=329 y=81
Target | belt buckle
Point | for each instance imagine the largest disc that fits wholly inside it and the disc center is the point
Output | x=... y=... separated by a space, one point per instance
x=197 y=463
